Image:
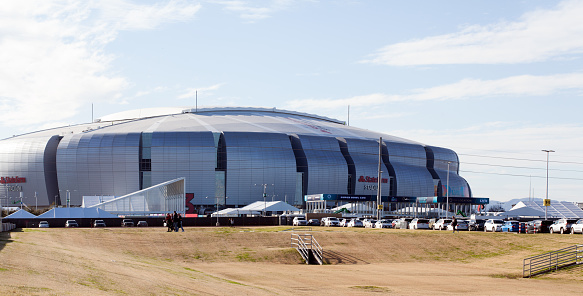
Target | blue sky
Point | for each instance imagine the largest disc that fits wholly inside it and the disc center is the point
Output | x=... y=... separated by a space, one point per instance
x=496 y=81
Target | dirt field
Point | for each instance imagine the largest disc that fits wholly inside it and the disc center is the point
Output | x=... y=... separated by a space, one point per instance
x=259 y=261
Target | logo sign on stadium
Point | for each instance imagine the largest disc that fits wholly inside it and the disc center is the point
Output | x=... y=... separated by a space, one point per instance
x=368 y=179
x=10 y=180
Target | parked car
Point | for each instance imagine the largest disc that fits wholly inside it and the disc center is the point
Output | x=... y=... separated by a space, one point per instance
x=300 y=221
x=383 y=224
x=330 y=221
x=510 y=226
x=127 y=223
x=99 y=223
x=461 y=225
x=43 y=224
x=577 y=227
x=314 y=222
x=71 y=223
x=355 y=223
x=142 y=224
x=395 y=223
x=441 y=224
x=493 y=225
x=562 y=225
x=369 y=223
x=540 y=226
x=343 y=222
x=419 y=223
x=476 y=225
x=404 y=223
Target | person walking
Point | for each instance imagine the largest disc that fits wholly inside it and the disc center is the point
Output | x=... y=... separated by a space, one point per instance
x=454 y=224
x=180 y=223
x=168 y=222
x=175 y=220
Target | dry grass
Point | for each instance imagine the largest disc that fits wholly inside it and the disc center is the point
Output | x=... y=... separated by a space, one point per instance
x=259 y=260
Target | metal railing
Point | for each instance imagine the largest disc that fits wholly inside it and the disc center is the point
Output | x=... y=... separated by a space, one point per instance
x=552 y=261
x=308 y=247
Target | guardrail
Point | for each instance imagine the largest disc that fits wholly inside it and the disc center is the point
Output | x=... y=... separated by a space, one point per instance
x=552 y=261
x=308 y=247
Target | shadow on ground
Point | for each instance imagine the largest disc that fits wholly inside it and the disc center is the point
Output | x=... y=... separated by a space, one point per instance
x=332 y=257
x=5 y=238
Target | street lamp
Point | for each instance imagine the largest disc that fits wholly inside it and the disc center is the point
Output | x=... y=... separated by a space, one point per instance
x=447 y=192
x=547 y=193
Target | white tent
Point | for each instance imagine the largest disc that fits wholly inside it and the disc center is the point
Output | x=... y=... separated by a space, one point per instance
x=257 y=208
x=234 y=212
x=20 y=214
x=76 y=213
x=270 y=206
x=522 y=212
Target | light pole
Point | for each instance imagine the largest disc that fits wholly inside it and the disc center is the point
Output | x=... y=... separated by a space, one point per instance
x=547 y=193
x=447 y=193
x=264 y=197
x=217 y=207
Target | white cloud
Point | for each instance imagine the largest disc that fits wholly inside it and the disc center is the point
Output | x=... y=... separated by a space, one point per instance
x=255 y=11
x=524 y=85
x=538 y=36
x=53 y=59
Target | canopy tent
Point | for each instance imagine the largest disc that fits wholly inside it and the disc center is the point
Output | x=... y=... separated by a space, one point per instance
x=76 y=213
x=20 y=214
x=257 y=208
x=270 y=206
x=234 y=212
x=522 y=212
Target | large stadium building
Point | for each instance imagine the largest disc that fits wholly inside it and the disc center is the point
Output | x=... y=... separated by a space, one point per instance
x=227 y=156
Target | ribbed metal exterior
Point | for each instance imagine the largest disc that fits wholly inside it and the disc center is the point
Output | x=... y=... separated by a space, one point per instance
x=225 y=156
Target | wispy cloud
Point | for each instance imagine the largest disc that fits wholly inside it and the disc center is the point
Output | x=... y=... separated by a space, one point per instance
x=53 y=58
x=538 y=36
x=255 y=10
x=465 y=89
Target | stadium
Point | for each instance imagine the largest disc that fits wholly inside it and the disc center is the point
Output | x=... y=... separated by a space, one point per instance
x=228 y=157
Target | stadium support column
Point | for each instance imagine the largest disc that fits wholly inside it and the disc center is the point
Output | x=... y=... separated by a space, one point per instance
x=379 y=202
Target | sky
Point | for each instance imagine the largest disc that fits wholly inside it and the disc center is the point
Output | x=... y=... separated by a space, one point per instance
x=497 y=81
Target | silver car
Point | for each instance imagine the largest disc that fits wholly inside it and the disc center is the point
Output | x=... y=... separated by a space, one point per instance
x=562 y=226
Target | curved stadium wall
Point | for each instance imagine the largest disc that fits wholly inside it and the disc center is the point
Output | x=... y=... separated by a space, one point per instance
x=230 y=156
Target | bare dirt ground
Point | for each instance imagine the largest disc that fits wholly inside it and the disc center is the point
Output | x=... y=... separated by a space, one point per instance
x=259 y=261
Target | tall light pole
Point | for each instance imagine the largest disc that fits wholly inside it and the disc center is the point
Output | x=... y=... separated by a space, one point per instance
x=380 y=173
x=547 y=193
x=264 y=197
x=447 y=193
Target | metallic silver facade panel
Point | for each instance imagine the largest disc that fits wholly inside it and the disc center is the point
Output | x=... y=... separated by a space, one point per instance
x=254 y=159
x=191 y=155
x=409 y=162
x=238 y=148
x=25 y=159
x=365 y=154
x=327 y=168
x=98 y=164
x=457 y=185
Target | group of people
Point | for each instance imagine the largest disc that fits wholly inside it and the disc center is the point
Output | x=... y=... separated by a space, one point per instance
x=174 y=222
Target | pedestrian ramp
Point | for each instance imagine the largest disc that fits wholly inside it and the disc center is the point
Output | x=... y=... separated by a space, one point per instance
x=308 y=247
x=552 y=261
